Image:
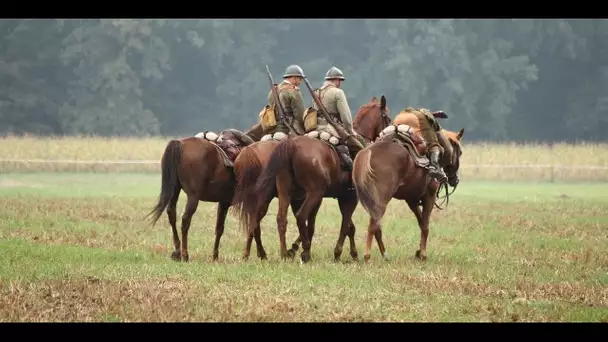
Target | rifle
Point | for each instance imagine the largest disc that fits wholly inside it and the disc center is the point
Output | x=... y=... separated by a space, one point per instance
x=277 y=102
x=341 y=131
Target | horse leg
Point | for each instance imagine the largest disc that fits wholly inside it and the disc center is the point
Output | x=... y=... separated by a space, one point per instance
x=247 y=249
x=257 y=232
x=262 y=209
x=347 y=206
x=427 y=207
x=284 y=200
x=312 y=221
x=351 y=237
x=172 y=214
x=222 y=210
x=295 y=206
x=191 y=206
x=313 y=199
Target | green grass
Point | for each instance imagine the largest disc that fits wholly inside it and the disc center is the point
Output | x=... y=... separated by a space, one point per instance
x=75 y=247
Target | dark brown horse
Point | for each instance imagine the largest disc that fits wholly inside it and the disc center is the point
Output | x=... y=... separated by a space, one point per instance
x=202 y=169
x=387 y=169
x=307 y=169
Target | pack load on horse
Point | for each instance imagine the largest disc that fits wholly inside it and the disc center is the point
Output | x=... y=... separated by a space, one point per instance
x=249 y=163
x=311 y=169
x=424 y=123
x=396 y=166
x=333 y=100
x=230 y=142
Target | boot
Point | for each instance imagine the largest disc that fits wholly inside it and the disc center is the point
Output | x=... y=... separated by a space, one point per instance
x=347 y=162
x=435 y=170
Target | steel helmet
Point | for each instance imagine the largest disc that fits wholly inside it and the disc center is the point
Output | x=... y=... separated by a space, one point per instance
x=293 y=70
x=334 y=73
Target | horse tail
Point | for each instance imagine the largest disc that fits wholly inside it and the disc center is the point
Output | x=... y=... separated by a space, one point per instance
x=365 y=181
x=170 y=184
x=245 y=198
x=281 y=158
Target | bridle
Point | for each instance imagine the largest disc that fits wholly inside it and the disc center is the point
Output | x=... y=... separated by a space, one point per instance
x=445 y=184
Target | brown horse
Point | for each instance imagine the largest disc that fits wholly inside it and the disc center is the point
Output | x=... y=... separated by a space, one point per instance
x=248 y=167
x=387 y=169
x=202 y=169
x=307 y=169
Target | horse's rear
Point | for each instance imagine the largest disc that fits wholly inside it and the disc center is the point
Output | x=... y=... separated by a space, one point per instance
x=382 y=171
x=308 y=168
x=247 y=203
x=378 y=172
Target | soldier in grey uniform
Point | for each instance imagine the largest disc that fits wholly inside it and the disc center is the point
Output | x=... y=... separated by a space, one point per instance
x=291 y=98
x=333 y=98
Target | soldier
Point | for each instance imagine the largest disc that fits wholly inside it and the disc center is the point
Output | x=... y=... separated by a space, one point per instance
x=291 y=98
x=333 y=98
x=436 y=142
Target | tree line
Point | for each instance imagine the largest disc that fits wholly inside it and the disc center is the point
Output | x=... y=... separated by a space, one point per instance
x=516 y=80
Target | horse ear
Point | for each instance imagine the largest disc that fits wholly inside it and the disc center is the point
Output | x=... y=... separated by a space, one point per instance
x=374 y=99
x=383 y=102
x=460 y=133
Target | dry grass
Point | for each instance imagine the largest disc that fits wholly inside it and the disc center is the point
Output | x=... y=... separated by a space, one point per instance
x=75 y=248
x=92 y=149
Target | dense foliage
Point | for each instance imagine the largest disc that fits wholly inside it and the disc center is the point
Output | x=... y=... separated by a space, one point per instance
x=500 y=79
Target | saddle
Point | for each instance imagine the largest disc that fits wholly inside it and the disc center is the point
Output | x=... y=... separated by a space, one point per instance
x=229 y=143
x=336 y=144
x=404 y=135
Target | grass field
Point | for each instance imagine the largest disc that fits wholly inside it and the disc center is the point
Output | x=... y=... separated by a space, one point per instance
x=561 y=162
x=74 y=247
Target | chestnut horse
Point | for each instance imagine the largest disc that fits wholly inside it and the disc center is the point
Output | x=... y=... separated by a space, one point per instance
x=307 y=170
x=195 y=165
x=247 y=168
x=386 y=170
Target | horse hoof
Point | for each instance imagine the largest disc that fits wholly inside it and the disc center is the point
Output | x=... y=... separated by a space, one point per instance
x=176 y=256
x=305 y=258
x=215 y=257
x=366 y=257
x=419 y=256
x=291 y=254
x=355 y=256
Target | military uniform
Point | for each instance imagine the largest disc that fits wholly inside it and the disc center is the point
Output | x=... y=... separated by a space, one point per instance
x=292 y=100
x=335 y=102
x=436 y=142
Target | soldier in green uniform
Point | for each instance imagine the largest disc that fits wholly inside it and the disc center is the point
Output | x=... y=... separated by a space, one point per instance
x=291 y=98
x=430 y=130
x=334 y=100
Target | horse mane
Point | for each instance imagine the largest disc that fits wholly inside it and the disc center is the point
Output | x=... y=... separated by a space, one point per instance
x=364 y=110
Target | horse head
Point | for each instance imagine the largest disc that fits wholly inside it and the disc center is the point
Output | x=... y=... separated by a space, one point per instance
x=372 y=118
x=453 y=166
